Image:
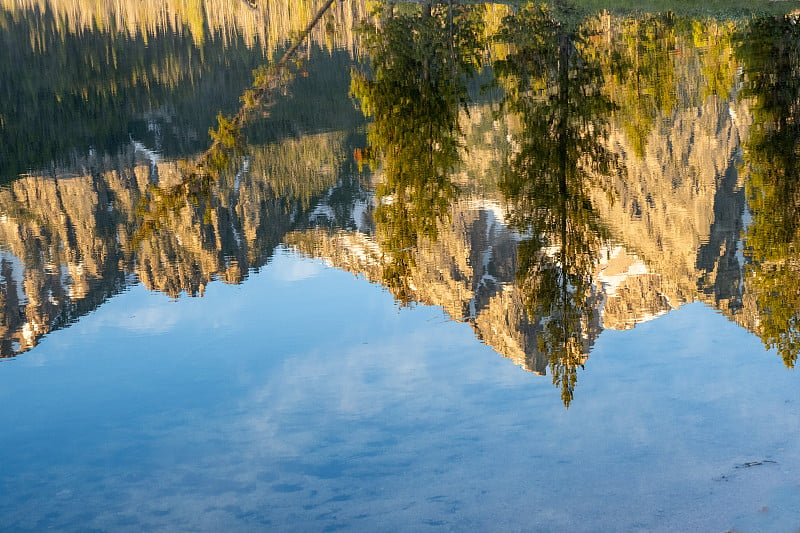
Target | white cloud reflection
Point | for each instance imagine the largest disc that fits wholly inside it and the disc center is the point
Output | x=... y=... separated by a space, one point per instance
x=289 y=267
x=333 y=409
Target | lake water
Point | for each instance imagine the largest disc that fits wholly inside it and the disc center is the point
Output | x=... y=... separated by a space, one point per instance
x=477 y=269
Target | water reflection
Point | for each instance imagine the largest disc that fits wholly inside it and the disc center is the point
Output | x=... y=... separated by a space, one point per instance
x=540 y=174
x=72 y=241
x=419 y=63
x=771 y=57
x=98 y=73
x=553 y=90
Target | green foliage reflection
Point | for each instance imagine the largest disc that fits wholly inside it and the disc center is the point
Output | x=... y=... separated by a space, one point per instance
x=770 y=50
x=555 y=91
x=419 y=63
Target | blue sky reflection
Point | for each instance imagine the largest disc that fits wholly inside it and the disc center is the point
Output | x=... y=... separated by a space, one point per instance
x=383 y=416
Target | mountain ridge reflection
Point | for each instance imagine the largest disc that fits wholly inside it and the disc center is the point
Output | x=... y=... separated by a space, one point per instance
x=591 y=187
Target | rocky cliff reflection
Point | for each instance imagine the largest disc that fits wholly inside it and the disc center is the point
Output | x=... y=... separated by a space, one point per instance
x=69 y=243
x=599 y=188
x=588 y=172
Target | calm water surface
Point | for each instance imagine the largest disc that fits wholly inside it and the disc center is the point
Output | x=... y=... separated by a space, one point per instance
x=478 y=269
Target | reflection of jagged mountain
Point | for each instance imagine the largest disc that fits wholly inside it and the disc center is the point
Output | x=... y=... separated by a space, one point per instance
x=677 y=213
x=466 y=271
x=680 y=210
x=469 y=270
x=67 y=242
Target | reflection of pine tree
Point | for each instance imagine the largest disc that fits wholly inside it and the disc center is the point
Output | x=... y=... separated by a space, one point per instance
x=770 y=50
x=556 y=94
x=419 y=62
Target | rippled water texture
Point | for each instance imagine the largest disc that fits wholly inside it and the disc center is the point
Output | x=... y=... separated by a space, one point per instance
x=461 y=268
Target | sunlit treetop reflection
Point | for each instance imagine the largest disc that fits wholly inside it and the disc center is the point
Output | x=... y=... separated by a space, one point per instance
x=98 y=73
x=264 y=24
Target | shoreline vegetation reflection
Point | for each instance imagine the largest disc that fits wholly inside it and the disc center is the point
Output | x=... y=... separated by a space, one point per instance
x=540 y=172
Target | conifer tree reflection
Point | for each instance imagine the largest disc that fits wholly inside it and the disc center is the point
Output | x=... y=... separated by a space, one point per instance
x=419 y=61
x=770 y=51
x=555 y=93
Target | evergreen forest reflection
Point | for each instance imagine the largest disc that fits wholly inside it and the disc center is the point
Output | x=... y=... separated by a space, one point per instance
x=539 y=172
